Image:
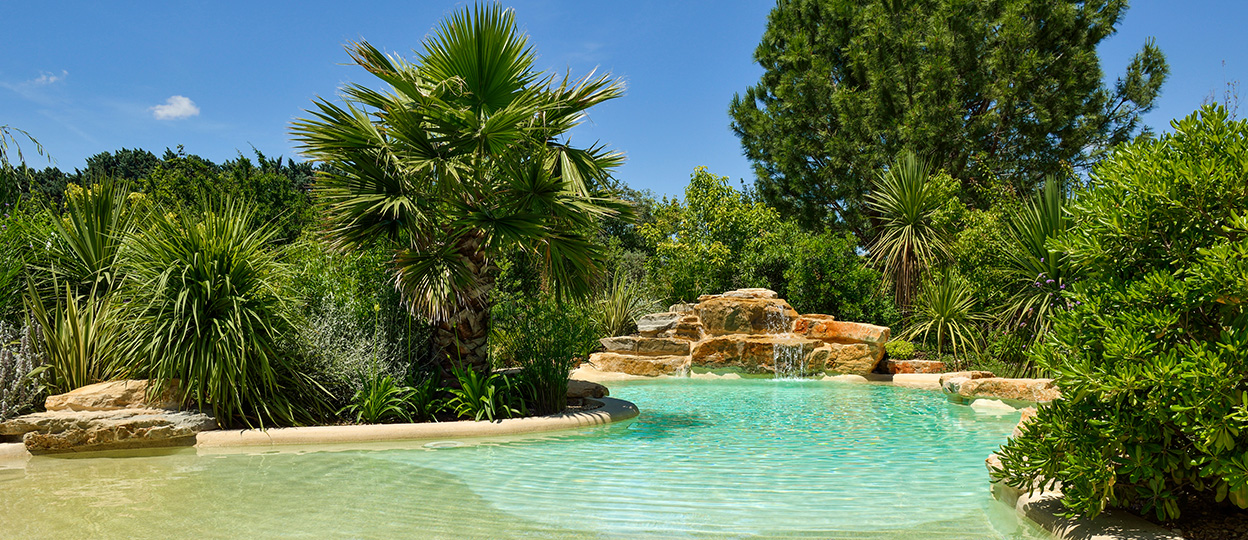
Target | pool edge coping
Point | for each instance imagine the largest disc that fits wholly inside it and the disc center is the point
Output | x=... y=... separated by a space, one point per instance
x=1043 y=506
x=612 y=410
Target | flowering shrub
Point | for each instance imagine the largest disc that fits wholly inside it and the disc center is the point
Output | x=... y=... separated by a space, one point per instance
x=20 y=376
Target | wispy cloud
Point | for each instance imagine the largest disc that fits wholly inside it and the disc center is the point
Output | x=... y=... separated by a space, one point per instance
x=46 y=78
x=175 y=108
x=43 y=89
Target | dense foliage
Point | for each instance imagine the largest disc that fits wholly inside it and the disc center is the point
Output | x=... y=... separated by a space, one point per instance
x=1008 y=88
x=720 y=238
x=1151 y=349
x=208 y=309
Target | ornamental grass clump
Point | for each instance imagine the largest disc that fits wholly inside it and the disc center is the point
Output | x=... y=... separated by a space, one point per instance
x=1152 y=353
x=206 y=307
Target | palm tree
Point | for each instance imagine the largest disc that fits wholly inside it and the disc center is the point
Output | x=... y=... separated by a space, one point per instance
x=464 y=157
x=907 y=242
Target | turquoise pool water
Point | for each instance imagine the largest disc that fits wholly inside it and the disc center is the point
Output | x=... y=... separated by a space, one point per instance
x=706 y=459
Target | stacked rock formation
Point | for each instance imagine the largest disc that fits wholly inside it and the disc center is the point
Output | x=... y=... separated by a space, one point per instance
x=108 y=416
x=747 y=331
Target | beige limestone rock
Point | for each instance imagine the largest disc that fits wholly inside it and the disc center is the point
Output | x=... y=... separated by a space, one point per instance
x=689 y=328
x=854 y=359
x=653 y=324
x=723 y=315
x=683 y=308
x=1031 y=390
x=847 y=378
x=649 y=366
x=824 y=327
x=621 y=344
x=79 y=431
x=113 y=395
x=751 y=293
x=912 y=366
x=749 y=353
x=965 y=375
x=1028 y=414
x=646 y=346
x=578 y=389
x=662 y=347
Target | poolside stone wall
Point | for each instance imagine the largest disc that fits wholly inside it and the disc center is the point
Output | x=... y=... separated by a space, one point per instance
x=746 y=331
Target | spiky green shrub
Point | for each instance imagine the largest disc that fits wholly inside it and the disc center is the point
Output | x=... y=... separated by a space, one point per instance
x=617 y=308
x=1152 y=355
x=908 y=239
x=946 y=311
x=1039 y=272
x=206 y=307
x=380 y=399
x=88 y=238
x=80 y=334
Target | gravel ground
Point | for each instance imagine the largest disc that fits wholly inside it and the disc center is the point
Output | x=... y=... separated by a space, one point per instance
x=1204 y=521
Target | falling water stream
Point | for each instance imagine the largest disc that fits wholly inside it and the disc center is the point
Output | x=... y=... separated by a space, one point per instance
x=788 y=355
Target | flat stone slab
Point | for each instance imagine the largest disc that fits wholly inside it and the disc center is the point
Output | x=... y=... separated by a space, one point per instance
x=646 y=346
x=654 y=323
x=1027 y=390
x=632 y=364
x=84 y=431
x=965 y=375
x=912 y=366
x=113 y=395
x=578 y=389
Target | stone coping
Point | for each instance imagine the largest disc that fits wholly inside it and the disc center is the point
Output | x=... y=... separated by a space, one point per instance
x=612 y=410
x=1043 y=507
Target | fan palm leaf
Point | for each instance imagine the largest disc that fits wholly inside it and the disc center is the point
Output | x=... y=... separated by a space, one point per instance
x=462 y=158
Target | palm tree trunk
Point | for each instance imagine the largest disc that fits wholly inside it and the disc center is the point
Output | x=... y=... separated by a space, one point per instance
x=461 y=339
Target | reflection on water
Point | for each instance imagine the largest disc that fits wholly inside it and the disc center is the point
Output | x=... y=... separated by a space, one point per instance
x=707 y=459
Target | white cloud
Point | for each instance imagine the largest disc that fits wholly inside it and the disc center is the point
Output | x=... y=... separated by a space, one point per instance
x=49 y=78
x=175 y=108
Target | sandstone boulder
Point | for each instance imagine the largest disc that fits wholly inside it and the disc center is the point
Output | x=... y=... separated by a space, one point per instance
x=751 y=293
x=965 y=375
x=756 y=354
x=1031 y=390
x=724 y=315
x=114 y=395
x=634 y=364
x=912 y=366
x=81 y=431
x=646 y=346
x=824 y=327
x=689 y=328
x=578 y=389
x=653 y=324
x=683 y=308
x=852 y=359
x=1028 y=414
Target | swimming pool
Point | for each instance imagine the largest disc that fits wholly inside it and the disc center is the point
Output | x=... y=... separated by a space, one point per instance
x=706 y=459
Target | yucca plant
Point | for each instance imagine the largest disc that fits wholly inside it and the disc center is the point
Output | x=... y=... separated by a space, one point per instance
x=1040 y=272
x=907 y=242
x=88 y=237
x=946 y=308
x=616 y=310
x=206 y=307
x=80 y=337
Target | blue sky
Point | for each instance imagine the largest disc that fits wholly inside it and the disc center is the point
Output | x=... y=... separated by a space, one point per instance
x=221 y=77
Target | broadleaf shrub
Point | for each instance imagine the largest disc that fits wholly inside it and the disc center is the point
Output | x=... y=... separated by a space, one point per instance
x=1151 y=353
x=899 y=349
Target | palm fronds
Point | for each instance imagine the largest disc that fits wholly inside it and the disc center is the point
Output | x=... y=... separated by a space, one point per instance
x=945 y=308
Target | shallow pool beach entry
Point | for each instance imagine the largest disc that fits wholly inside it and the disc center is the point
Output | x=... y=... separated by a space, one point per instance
x=706 y=459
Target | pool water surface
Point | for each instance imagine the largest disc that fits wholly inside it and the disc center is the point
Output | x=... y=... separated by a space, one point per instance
x=706 y=459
